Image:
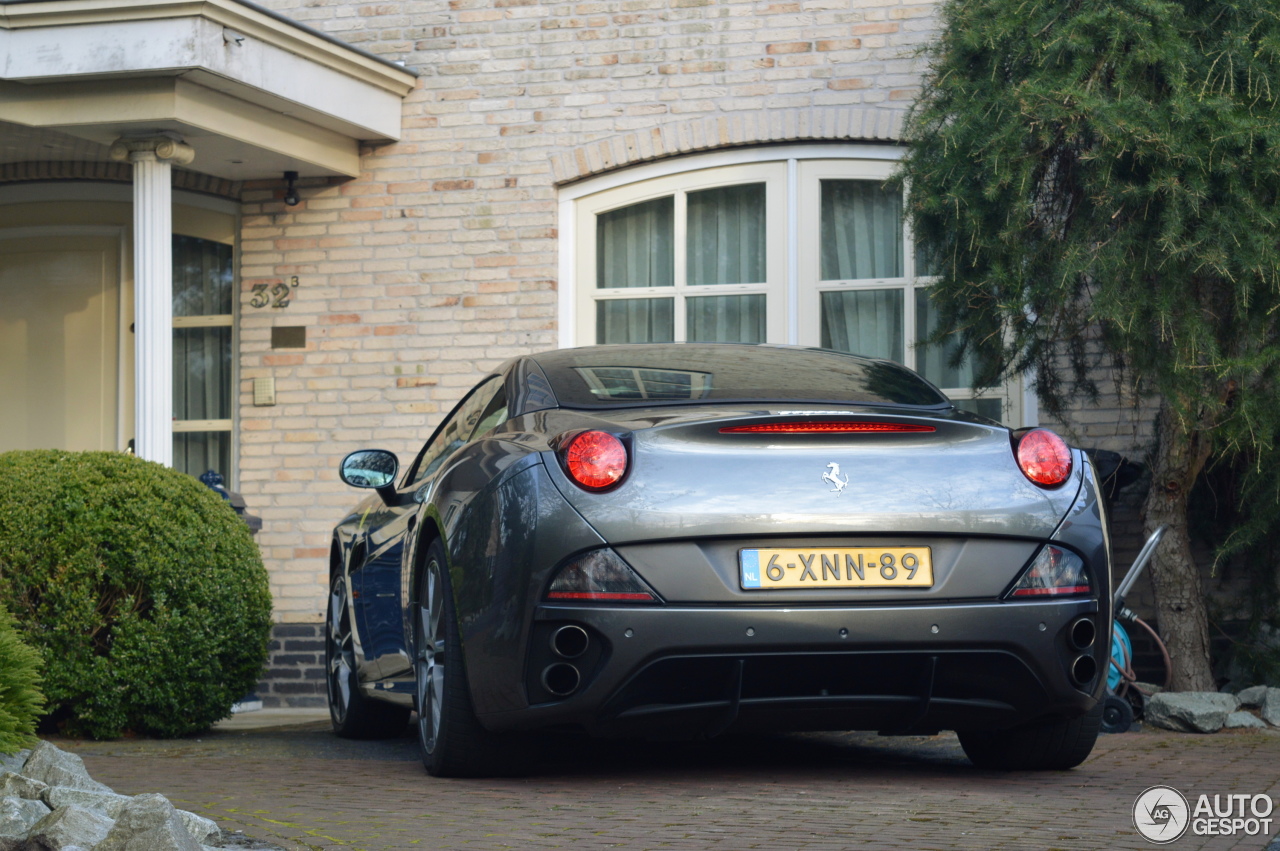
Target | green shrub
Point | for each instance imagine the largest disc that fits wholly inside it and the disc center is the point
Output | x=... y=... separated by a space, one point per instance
x=20 y=698
x=140 y=588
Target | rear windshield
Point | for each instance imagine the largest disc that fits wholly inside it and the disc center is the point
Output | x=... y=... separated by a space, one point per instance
x=692 y=373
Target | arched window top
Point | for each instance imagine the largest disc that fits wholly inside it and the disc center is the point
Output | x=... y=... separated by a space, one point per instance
x=801 y=244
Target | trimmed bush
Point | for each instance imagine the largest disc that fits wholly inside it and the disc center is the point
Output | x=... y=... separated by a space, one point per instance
x=20 y=698
x=140 y=588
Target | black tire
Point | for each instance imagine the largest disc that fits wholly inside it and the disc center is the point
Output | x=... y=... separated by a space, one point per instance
x=1056 y=745
x=452 y=740
x=1117 y=715
x=354 y=716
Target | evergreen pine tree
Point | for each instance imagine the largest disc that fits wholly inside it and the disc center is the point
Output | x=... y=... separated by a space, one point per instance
x=1109 y=171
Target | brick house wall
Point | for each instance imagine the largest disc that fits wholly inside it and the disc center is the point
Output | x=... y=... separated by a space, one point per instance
x=441 y=260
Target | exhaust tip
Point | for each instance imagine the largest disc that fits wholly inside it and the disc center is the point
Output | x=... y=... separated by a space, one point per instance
x=1083 y=633
x=561 y=679
x=570 y=642
x=1083 y=670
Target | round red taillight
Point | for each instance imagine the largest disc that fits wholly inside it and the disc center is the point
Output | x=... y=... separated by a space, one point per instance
x=1044 y=457
x=596 y=460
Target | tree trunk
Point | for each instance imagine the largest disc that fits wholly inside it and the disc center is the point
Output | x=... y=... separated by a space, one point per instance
x=1184 y=623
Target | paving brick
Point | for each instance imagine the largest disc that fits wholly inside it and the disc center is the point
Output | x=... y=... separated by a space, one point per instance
x=306 y=789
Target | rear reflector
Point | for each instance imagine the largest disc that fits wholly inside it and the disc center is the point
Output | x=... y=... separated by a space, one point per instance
x=824 y=428
x=1054 y=573
x=637 y=597
x=600 y=575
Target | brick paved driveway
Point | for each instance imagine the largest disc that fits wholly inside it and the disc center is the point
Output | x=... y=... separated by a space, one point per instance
x=303 y=788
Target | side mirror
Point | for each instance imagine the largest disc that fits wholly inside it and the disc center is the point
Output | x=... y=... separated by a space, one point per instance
x=371 y=468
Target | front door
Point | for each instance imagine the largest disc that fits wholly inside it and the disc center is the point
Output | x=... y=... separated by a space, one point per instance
x=59 y=341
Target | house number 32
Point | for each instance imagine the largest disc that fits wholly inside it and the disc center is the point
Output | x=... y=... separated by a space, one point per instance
x=276 y=295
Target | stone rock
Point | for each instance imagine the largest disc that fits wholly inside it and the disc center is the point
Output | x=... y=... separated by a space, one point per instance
x=200 y=828
x=1251 y=698
x=18 y=814
x=66 y=827
x=16 y=786
x=235 y=840
x=1190 y=711
x=56 y=767
x=149 y=823
x=108 y=803
x=14 y=761
x=1242 y=719
x=1271 y=707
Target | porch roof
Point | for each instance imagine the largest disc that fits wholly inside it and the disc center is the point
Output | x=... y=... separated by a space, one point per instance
x=254 y=93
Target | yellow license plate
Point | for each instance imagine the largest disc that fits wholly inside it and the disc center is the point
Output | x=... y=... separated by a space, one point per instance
x=836 y=567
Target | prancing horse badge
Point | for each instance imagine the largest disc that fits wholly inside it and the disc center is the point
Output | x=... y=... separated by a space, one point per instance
x=832 y=477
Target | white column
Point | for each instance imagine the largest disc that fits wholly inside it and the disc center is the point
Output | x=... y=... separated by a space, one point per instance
x=152 y=160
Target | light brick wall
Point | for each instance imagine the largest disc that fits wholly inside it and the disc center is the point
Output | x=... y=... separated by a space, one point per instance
x=440 y=261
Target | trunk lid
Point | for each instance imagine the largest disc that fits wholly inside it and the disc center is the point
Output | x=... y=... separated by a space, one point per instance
x=686 y=479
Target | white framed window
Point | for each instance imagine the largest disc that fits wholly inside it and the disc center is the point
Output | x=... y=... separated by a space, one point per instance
x=794 y=244
x=688 y=257
x=203 y=324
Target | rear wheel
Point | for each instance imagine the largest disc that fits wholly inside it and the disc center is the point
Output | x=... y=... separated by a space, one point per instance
x=1035 y=747
x=452 y=740
x=354 y=716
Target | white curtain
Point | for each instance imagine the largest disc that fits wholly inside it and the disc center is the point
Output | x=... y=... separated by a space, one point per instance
x=934 y=362
x=635 y=320
x=726 y=239
x=202 y=279
x=864 y=322
x=861 y=231
x=635 y=245
x=725 y=318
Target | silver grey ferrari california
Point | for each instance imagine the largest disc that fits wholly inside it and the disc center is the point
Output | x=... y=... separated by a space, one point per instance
x=690 y=539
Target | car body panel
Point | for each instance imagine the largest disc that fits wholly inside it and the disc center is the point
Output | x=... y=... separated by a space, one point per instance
x=500 y=561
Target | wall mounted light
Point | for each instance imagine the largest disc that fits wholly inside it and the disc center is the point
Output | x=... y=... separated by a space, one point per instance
x=291 y=198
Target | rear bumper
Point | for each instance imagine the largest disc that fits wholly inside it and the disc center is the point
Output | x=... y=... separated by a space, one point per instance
x=692 y=670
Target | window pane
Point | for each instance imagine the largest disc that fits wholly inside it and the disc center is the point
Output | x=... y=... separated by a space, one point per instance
x=632 y=383
x=924 y=264
x=457 y=428
x=725 y=240
x=725 y=319
x=861 y=231
x=934 y=362
x=198 y=451
x=864 y=322
x=202 y=374
x=635 y=320
x=635 y=245
x=201 y=277
x=992 y=409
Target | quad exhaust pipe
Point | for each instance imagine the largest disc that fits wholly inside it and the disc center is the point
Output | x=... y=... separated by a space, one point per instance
x=1082 y=633
x=1083 y=670
x=570 y=642
x=561 y=679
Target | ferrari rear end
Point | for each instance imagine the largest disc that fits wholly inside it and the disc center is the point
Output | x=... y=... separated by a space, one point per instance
x=797 y=540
